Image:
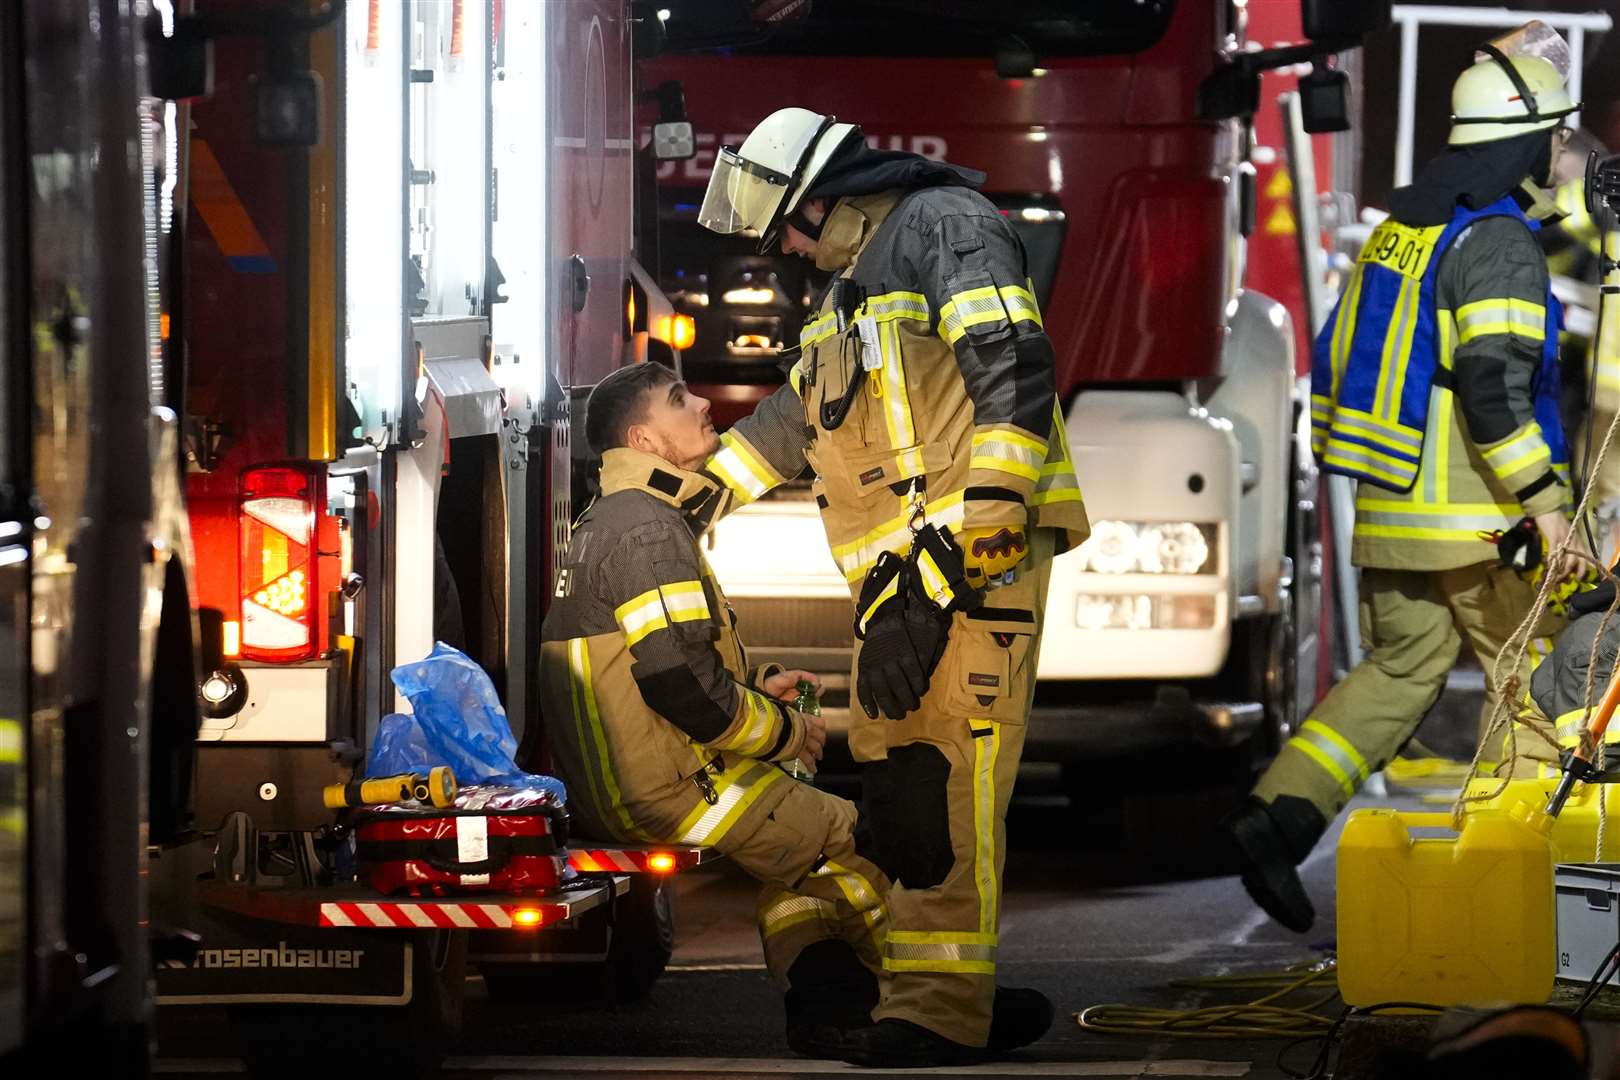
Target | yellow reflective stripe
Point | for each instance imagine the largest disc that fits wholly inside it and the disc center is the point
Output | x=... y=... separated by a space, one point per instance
x=818 y=329
x=948 y=952
x=896 y=401
x=1608 y=370
x=1020 y=304
x=1328 y=765
x=1000 y=464
x=796 y=377
x=588 y=725
x=1395 y=435
x=934 y=583
x=11 y=742
x=1008 y=450
x=685 y=601
x=856 y=557
x=1397 y=346
x=736 y=789
x=1518 y=452
x=1327 y=737
x=1364 y=459
x=889 y=591
x=1344 y=332
x=641 y=616
x=794 y=911
x=986 y=747
x=741 y=469
x=1501 y=315
x=970 y=308
x=890 y=306
x=1004 y=435
x=1483 y=511
x=758 y=727
x=1057 y=482
x=866 y=901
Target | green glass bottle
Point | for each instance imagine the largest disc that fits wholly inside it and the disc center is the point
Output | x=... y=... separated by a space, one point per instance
x=809 y=704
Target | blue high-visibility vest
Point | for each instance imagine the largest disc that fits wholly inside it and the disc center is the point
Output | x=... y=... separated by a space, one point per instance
x=1375 y=361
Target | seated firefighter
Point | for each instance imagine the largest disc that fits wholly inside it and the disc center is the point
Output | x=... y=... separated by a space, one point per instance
x=663 y=733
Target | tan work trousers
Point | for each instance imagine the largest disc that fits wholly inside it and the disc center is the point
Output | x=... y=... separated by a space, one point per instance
x=1412 y=625
x=950 y=768
x=814 y=887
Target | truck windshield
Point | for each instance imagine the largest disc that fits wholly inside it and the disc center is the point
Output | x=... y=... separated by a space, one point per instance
x=922 y=27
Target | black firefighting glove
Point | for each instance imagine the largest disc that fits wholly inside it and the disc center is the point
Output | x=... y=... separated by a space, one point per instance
x=904 y=642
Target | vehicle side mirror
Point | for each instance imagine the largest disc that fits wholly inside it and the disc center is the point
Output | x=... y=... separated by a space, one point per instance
x=1324 y=101
x=673 y=140
x=1328 y=19
x=672 y=136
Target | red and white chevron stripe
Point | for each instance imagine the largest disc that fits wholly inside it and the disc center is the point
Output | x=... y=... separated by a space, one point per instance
x=441 y=915
x=621 y=860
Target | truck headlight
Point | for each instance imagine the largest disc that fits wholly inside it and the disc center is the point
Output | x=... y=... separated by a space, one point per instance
x=1149 y=547
x=1140 y=611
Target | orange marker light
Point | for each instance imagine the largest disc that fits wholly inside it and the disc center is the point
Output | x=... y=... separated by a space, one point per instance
x=526 y=917
x=661 y=862
x=682 y=331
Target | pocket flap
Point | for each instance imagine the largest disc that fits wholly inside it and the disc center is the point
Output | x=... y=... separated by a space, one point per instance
x=885 y=468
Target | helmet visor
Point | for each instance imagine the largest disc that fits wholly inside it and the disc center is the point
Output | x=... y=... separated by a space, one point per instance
x=742 y=196
x=1534 y=38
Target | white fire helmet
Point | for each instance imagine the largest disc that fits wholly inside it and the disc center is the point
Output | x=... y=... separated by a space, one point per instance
x=755 y=185
x=1518 y=84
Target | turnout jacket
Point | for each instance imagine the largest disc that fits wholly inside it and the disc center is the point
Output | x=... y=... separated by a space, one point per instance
x=655 y=721
x=1435 y=382
x=955 y=419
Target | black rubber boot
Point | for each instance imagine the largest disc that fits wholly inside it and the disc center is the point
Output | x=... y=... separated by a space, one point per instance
x=900 y=1044
x=1269 y=842
x=830 y=993
x=1020 y=1017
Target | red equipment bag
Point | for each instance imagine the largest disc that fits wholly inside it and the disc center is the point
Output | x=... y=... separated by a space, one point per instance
x=434 y=852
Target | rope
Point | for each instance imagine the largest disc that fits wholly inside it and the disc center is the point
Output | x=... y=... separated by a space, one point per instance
x=1262 y=1018
x=1508 y=712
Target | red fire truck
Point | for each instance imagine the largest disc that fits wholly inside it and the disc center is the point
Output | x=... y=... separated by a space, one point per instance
x=1119 y=143
x=297 y=302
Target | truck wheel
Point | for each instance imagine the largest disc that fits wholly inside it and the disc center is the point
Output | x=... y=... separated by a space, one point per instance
x=639 y=934
x=403 y=1042
x=643 y=938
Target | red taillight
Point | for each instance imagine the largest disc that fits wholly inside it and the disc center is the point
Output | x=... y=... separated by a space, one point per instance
x=278 y=565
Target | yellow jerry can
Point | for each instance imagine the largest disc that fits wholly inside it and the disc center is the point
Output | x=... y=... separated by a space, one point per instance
x=1430 y=915
x=1575 y=830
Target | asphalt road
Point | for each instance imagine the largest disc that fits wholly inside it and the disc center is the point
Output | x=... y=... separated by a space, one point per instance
x=1107 y=905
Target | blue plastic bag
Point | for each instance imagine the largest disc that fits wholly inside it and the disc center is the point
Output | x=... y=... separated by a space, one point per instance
x=458 y=722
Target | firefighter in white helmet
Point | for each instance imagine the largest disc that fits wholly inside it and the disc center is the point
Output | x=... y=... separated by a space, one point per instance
x=924 y=399
x=1435 y=385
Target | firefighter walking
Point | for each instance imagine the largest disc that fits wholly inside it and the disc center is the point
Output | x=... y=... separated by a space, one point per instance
x=923 y=398
x=1435 y=385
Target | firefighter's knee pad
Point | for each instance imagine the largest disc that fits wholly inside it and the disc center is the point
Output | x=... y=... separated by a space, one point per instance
x=917 y=834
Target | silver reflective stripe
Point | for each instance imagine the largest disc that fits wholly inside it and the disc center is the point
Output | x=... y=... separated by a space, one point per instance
x=1468 y=523
x=1381 y=466
x=1322 y=738
x=732 y=794
x=1413 y=444
x=910 y=951
x=796 y=909
x=900 y=306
